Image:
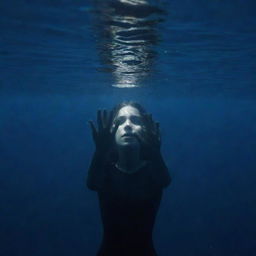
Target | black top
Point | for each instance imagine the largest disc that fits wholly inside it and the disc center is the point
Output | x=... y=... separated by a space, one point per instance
x=129 y=204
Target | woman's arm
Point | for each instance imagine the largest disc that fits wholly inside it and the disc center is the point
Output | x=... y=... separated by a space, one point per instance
x=103 y=139
x=161 y=174
x=150 y=138
x=96 y=172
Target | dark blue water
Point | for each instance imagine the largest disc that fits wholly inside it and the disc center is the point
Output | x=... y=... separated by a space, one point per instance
x=193 y=67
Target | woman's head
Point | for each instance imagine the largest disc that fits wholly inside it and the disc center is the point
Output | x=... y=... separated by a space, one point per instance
x=130 y=125
x=130 y=118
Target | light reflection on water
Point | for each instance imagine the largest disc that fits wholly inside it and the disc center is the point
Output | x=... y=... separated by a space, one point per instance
x=188 y=50
x=128 y=36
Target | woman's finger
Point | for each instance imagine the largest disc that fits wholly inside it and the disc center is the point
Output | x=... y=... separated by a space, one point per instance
x=139 y=138
x=99 y=120
x=104 y=118
x=94 y=131
x=110 y=117
x=147 y=122
x=142 y=137
x=152 y=123
x=115 y=129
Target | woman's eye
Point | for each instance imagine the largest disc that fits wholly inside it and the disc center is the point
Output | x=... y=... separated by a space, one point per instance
x=120 y=120
x=136 y=120
x=133 y=119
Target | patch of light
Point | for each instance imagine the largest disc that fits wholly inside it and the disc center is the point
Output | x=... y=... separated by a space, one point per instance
x=125 y=85
x=126 y=80
x=134 y=2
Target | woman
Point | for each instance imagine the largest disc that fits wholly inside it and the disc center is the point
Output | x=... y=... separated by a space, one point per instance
x=129 y=174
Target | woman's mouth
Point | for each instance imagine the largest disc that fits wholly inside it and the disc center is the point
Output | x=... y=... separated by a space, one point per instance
x=128 y=135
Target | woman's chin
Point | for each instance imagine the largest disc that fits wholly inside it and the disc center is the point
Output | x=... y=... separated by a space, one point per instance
x=129 y=144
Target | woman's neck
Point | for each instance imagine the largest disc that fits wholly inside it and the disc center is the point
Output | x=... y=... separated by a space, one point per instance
x=129 y=159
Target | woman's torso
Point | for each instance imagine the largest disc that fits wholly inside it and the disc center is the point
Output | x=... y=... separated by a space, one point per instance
x=129 y=204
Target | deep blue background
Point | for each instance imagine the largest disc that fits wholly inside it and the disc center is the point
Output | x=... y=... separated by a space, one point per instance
x=201 y=90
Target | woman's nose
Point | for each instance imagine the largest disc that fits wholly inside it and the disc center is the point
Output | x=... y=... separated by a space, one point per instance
x=127 y=124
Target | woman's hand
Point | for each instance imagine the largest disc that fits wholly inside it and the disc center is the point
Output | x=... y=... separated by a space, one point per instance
x=150 y=135
x=104 y=136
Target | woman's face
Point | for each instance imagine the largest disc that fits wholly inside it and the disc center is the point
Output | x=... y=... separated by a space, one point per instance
x=130 y=125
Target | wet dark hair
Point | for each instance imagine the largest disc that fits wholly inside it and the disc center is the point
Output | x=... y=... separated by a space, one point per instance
x=143 y=113
x=136 y=105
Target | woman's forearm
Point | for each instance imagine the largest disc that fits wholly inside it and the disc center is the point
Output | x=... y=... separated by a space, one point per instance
x=163 y=175
x=96 y=171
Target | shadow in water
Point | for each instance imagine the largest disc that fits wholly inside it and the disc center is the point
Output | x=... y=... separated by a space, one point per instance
x=127 y=37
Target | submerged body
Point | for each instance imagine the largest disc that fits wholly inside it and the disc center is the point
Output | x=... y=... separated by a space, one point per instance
x=129 y=203
x=129 y=174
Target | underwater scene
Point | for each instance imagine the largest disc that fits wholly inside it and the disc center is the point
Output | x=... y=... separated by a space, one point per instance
x=191 y=139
